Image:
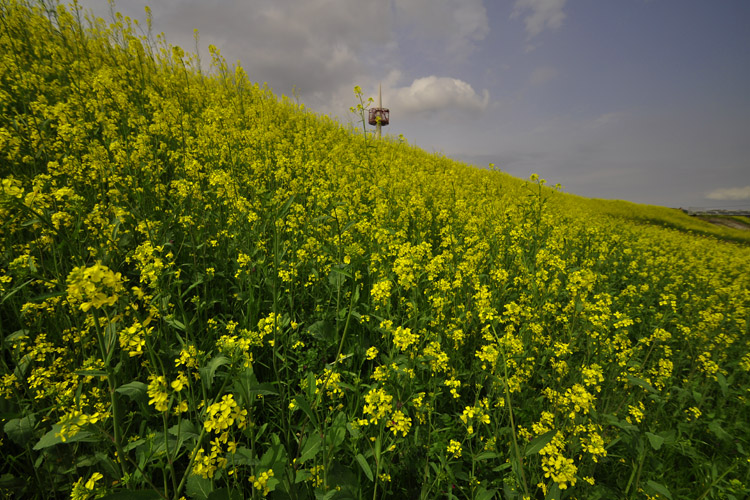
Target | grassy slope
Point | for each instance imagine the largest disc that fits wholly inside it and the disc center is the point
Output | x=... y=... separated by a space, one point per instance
x=222 y=206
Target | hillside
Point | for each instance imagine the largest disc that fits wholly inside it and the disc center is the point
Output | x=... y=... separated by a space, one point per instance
x=210 y=292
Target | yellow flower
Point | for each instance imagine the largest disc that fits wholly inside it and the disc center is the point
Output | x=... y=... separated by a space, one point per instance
x=157 y=392
x=399 y=423
x=454 y=447
x=180 y=382
x=91 y=483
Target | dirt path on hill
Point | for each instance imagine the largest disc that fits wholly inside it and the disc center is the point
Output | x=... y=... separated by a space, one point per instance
x=734 y=224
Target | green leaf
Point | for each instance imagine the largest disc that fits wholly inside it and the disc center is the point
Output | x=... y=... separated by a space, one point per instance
x=325 y=496
x=720 y=433
x=14 y=291
x=539 y=442
x=186 y=429
x=311 y=447
x=273 y=455
x=659 y=488
x=722 y=383
x=22 y=367
x=656 y=441
x=484 y=494
x=133 y=444
x=110 y=340
x=337 y=433
x=15 y=336
x=199 y=487
x=486 y=455
x=208 y=371
x=364 y=465
x=174 y=323
x=554 y=492
x=91 y=373
x=50 y=439
x=20 y=430
x=134 y=390
x=197 y=282
x=641 y=383
x=264 y=389
x=302 y=403
x=301 y=475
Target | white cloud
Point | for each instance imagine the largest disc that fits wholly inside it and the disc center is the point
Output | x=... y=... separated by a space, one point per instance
x=539 y=15
x=742 y=193
x=436 y=93
x=543 y=75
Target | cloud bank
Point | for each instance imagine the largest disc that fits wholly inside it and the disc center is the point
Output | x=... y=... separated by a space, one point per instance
x=741 y=193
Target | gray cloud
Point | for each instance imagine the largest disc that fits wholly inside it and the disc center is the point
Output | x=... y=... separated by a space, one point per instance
x=455 y=25
x=322 y=48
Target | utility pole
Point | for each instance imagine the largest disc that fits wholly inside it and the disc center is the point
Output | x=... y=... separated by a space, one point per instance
x=379 y=116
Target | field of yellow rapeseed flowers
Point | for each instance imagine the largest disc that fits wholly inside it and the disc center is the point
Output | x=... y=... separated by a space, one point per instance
x=208 y=292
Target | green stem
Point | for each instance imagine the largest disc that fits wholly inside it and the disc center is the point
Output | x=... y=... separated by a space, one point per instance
x=194 y=453
x=708 y=490
x=111 y=383
x=510 y=412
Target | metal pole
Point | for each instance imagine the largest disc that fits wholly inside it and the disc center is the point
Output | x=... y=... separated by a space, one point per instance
x=380 y=106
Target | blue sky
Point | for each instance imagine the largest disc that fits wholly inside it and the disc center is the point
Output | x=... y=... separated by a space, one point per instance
x=642 y=100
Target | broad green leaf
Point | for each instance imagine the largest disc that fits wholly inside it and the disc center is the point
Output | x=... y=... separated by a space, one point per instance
x=659 y=488
x=554 y=492
x=716 y=428
x=301 y=475
x=273 y=455
x=208 y=371
x=134 y=390
x=325 y=496
x=198 y=487
x=15 y=336
x=539 y=442
x=484 y=494
x=91 y=373
x=656 y=441
x=337 y=432
x=487 y=455
x=50 y=439
x=311 y=447
x=20 y=430
x=364 y=465
x=186 y=429
x=641 y=383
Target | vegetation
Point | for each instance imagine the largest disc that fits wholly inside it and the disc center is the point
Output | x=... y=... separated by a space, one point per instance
x=209 y=292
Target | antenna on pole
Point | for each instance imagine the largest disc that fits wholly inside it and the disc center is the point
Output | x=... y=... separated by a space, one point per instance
x=379 y=116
